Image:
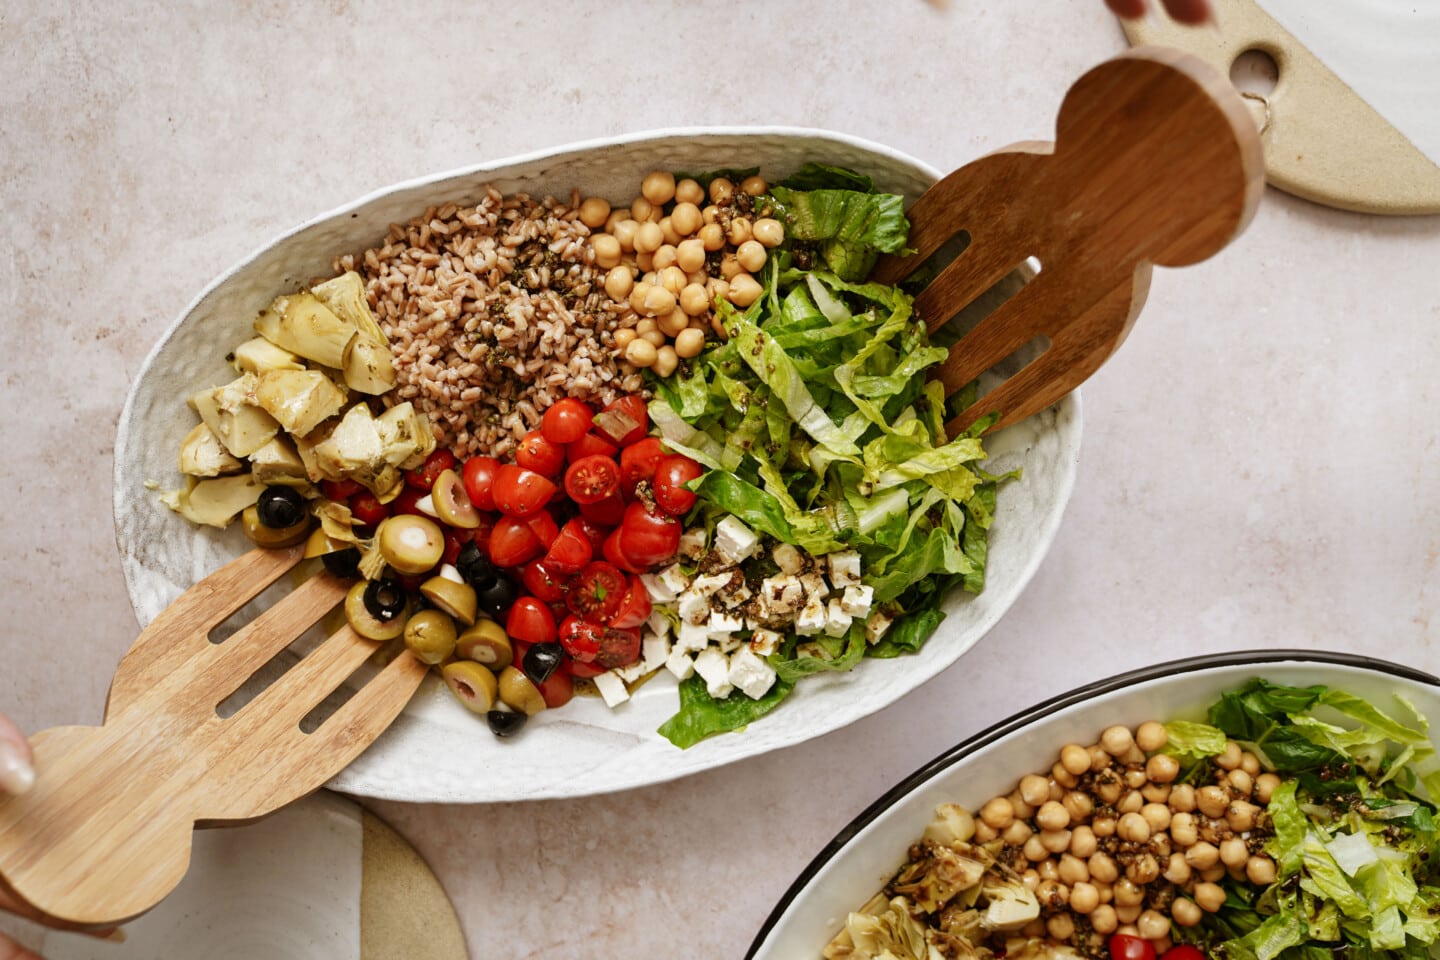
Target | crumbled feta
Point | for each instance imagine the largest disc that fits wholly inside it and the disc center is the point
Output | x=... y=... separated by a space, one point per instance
x=734 y=541
x=657 y=588
x=813 y=584
x=752 y=675
x=693 y=636
x=708 y=583
x=765 y=642
x=727 y=642
x=680 y=663
x=782 y=594
x=812 y=618
x=631 y=671
x=837 y=621
x=714 y=668
x=724 y=621
x=787 y=557
x=654 y=648
x=856 y=600
x=844 y=568
x=674 y=578
x=658 y=623
x=611 y=688
x=876 y=626
x=734 y=594
x=693 y=606
x=692 y=543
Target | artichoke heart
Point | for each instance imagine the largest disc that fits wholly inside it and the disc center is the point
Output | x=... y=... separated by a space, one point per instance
x=232 y=414
x=299 y=399
x=302 y=324
x=354 y=449
x=345 y=296
x=258 y=355
x=1010 y=905
x=203 y=455
x=941 y=872
x=369 y=367
x=882 y=931
x=278 y=463
x=214 y=502
x=405 y=435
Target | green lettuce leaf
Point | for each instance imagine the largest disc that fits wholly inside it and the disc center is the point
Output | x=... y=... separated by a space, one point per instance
x=701 y=715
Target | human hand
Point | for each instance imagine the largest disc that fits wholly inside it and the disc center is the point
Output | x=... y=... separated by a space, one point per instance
x=1184 y=11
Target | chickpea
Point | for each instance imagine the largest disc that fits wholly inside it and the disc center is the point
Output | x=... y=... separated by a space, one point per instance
x=1099 y=759
x=697 y=276
x=1241 y=783
x=768 y=231
x=717 y=288
x=712 y=237
x=1103 y=868
x=1132 y=827
x=688 y=191
x=1055 y=841
x=1127 y=917
x=744 y=290
x=1177 y=871
x=1155 y=792
x=1162 y=768
x=721 y=191
x=624 y=232
x=694 y=300
x=1034 y=929
x=1106 y=891
x=1184 y=912
x=1075 y=760
x=1031 y=879
x=1023 y=810
x=664 y=256
x=1161 y=945
x=1116 y=740
x=623 y=336
x=1212 y=801
x=1182 y=798
x=1052 y=816
x=1103 y=826
x=998 y=813
x=1153 y=925
x=655 y=338
x=1072 y=869
x=1182 y=829
x=1157 y=815
x=1128 y=894
x=665 y=361
x=1103 y=920
x=1131 y=802
x=754 y=186
x=1233 y=852
x=1035 y=789
x=1064 y=778
x=730 y=267
x=1017 y=833
x=1250 y=763
x=1078 y=804
x=1265 y=785
x=668 y=231
x=1240 y=815
x=1202 y=855
x=689 y=343
x=618 y=282
x=751 y=255
x=672 y=278
x=1034 y=850
x=1142 y=870
x=1057 y=792
x=1229 y=758
x=673 y=324
x=1214 y=874
x=690 y=255
x=1260 y=870
x=1060 y=926
x=641 y=352
x=658 y=187
x=1082 y=842
x=656 y=302
x=594 y=211
x=1048 y=870
x=642 y=210
x=984 y=833
x=739 y=232
x=1209 y=897
x=1084 y=898
x=719 y=327
x=1109 y=789
x=1052 y=893
x=1135 y=778
x=710 y=214
x=614 y=217
x=1151 y=736
x=607 y=250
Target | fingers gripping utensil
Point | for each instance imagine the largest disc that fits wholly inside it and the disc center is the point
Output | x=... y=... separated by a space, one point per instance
x=1155 y=161
x=104 y=834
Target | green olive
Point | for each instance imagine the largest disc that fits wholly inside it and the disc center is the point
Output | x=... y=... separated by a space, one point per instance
x=409 y=543
x=265 y=536
x=471 y=683
x=452 y=504
x=486 y=642
x=456 y=599
x=430 y=635
x=320 y=543
x=520 y=692
x=363 y=622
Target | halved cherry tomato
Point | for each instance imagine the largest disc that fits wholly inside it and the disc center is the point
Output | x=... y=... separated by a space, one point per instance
x=612 y=552
x=455 y=540
x=618 y=647
x=648 y=537
x=520 y=492
x=367 y=508
x=540 y=454
x=567 y=420
x=594 y=532
x=571 y=550
x=338 y=491
x=591 y=444
x=634 y=608
x=545 y=527
x=580 y=668
x=423 y=477
x=1183 y=951
x=596 y=592
x=671 y=475
x=512 y=542
x=557 y=689
x=638 y=462
x=592 y=479
x=624 y=421
x=580 y=639
x=608 y=512
x=407 y=502
x=478 y=474
x=544 y=583
x=1123 y=946
x=530 y=620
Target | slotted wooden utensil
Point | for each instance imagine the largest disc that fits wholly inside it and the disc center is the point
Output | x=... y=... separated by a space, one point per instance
x=105 y=832
x=1155 y=161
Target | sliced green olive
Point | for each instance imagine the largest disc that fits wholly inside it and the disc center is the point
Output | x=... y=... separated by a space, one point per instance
x=472 y=684
x=452 y=504
x=265 y=536
x=363 y=622
x=520 y=692
x=409 y=543
x=430 y=635
x=320 y=543
x=456 y=599
x=486 y=642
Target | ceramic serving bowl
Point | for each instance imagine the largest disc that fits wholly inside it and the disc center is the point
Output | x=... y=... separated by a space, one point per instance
x=436 y=751
x=866 y=854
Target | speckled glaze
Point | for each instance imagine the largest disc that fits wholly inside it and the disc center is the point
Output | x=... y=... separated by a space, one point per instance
x=436 y=751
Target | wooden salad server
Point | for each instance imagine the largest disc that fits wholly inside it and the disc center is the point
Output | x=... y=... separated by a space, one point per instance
x=1155 y=161
x=104 y=834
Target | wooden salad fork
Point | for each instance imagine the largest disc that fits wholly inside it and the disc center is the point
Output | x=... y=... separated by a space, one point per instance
x=1155 y=161
x=104 y=834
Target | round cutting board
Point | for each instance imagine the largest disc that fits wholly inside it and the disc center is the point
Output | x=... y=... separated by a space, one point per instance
x=1327 y=124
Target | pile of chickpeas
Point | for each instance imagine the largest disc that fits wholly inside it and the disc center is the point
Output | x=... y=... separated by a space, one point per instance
x=1110 y=843
x=670 y=268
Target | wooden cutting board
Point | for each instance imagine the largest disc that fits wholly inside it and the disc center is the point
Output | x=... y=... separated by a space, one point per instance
x=1322 y=141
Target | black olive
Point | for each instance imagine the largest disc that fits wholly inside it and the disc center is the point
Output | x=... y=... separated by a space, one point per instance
x=475 y=566
x=505 y=723
x=280 y=507
x=541 y=660
x=495 y=598
x=385 y=599
x=343 y=563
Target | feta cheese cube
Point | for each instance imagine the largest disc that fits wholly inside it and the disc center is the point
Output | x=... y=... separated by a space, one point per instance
x=612 y=688
x=752 y=675
x=876 y=626
x=707 y=583
x=653 y=651
x=727 y=642
x=658 y=623
x=693 y=607
x=787 y=557
x=631 y=671
x=657 y=588
x=844 y=568
x=812 y=618
x=837 y=621
x=692 y=543
x=723 y=621
x=764 y=642
x=782 y=594
x=693 y=636
x=856 y=600
x=680 y=663
x=674 y=578
x=813 y=584
x=733 y=540
x=735 y=593
x=714 y=668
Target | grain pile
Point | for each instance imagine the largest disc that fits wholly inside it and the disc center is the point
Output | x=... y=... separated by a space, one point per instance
x=493 y=313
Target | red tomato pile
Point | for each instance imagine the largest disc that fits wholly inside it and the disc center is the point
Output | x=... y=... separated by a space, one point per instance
x=1124 y=946
x=590 y=502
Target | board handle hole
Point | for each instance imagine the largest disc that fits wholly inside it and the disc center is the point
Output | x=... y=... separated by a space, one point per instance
x=1255 y=73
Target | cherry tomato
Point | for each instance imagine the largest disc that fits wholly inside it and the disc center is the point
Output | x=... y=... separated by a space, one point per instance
x=520 y=492
x=1125 y=947
x=408 y=502
x=581 y=668
x=596 y=592
x=648 y=537
x=591 y=444
x=545 y=527
x=543 y=582
x=455 y=540
x=580 y=639
x=557 y=689
x=637 y=463
x=572 y=549
x=592 y=479
x=607 y=513
x=594 y=532
x=478 y=475
x=1183 y=951
x=366 y=508
x=612 y=552
x=338 y=491
x=567 y=420
x=512 y=542
x=531 y=621
x=618 y=647
x=423 y=477
x=624 y=421
x=634 y=608
x=671 y=475
x=540 y=454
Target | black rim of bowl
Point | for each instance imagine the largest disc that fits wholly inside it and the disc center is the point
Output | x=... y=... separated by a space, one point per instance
x=1080 y=694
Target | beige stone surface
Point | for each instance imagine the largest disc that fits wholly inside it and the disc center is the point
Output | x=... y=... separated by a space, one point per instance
x=1260 y=464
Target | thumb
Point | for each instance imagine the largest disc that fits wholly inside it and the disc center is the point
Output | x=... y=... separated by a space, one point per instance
x=17 y=763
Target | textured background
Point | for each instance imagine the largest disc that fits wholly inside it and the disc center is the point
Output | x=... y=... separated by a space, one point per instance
x=1259 y=468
